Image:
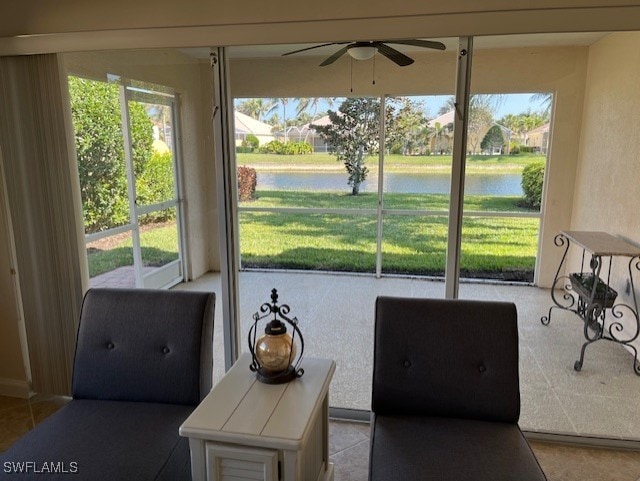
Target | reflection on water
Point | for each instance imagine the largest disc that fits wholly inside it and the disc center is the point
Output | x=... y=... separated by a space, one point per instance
x=403 y=183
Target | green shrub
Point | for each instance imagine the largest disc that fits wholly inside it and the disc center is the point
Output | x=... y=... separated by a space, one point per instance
x=273 y=147
x=95 y=109
x=286 y=148
x=301 y=148
x=532 y=179
x=251 y=141
x=247 y=180
x=155 y=185
x=243 y=149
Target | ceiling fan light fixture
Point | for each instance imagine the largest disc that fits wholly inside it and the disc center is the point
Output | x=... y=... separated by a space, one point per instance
x=366 y=50
x=362 y=52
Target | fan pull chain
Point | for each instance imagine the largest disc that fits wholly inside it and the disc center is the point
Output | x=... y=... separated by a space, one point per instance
x=373 y=78
x=351 y=89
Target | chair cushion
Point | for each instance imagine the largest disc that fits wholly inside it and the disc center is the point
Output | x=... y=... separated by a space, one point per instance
x=438 y=357
x=141 y=345
x=446 y=449
x=108 y=440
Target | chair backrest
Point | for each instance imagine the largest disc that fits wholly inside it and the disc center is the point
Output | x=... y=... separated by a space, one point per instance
x=449 y=358
x=144 y=345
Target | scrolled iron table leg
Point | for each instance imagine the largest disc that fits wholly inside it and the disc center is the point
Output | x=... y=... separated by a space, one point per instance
x=567 y=301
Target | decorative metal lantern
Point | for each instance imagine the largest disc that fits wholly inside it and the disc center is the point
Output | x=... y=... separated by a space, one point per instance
x=274 y=354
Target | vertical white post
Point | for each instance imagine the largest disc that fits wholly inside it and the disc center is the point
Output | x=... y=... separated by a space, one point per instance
x=463 y=82
x=179 y=188
x=227 y=207
x=131 y=182
x=381 y=143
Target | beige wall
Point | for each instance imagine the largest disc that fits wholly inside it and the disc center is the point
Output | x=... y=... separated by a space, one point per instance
x=607 y=187
x=163 y=23
x=33 y=16
x=558 y=70
x=13 y=376
x=191 y=79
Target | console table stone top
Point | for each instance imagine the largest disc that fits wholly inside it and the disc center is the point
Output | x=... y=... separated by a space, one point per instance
x=602 y=243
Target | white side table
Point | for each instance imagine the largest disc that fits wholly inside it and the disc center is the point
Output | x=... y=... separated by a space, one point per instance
x=247 y=430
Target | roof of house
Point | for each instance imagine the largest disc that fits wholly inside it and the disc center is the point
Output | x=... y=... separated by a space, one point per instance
x=304 y=128
x=444 y=119
x=249 y=125
x=325 y=120
x=543 y=128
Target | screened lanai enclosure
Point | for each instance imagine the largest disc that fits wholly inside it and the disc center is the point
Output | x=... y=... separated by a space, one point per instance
x=308 y=210
x=447 y=177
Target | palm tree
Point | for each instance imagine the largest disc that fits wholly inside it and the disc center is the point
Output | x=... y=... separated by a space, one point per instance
x=522 y=123
x=476 y=101
x=303 y=118
x=283 y=101
x=307 y=103
x=312 y=103
x=441 y=132
x=275 y=122
x=546 y=101
x=257 y=108
x=448 y=106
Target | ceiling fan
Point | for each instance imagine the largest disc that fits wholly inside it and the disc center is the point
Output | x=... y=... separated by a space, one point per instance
x=366 y=50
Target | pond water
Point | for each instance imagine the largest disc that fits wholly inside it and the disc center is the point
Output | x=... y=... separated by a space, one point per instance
x=402 y=183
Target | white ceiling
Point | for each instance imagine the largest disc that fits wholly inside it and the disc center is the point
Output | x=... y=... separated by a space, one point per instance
x=490 y=42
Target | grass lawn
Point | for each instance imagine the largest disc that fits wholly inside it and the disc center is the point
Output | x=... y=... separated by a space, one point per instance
x=395 y=163
x=502 y=248
x=369 y=200
x=159 y=246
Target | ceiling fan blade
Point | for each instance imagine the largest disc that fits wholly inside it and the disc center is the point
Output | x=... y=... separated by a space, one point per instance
x=335 y=56
x=419 y=43
x=392 y=54
x=311 y=48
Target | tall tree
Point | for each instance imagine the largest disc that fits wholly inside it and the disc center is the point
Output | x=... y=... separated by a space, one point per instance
x=493 y=139
x=284 y=101
x=523 y=122
x=481 y=110
x=303 y=118
x=257 y=108
x=442 y=134
x=275 y=122
x=408 y=131
x=447 y=106
x=309 y=105
x=546 y=101
x=352 y=135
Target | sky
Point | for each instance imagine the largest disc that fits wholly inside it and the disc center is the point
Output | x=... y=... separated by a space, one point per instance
x=511 y=104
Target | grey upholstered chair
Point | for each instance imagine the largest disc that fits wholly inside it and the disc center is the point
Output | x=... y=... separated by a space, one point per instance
x=143 y=362
x=446 y=398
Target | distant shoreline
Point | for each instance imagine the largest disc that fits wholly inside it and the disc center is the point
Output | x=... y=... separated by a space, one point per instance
x=339 y=167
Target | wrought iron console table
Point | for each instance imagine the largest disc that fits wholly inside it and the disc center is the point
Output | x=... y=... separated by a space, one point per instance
x=594 y=294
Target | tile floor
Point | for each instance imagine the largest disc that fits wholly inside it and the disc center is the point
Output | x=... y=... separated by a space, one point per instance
x=17 y=416
x=602 y=400
x=349 y=447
